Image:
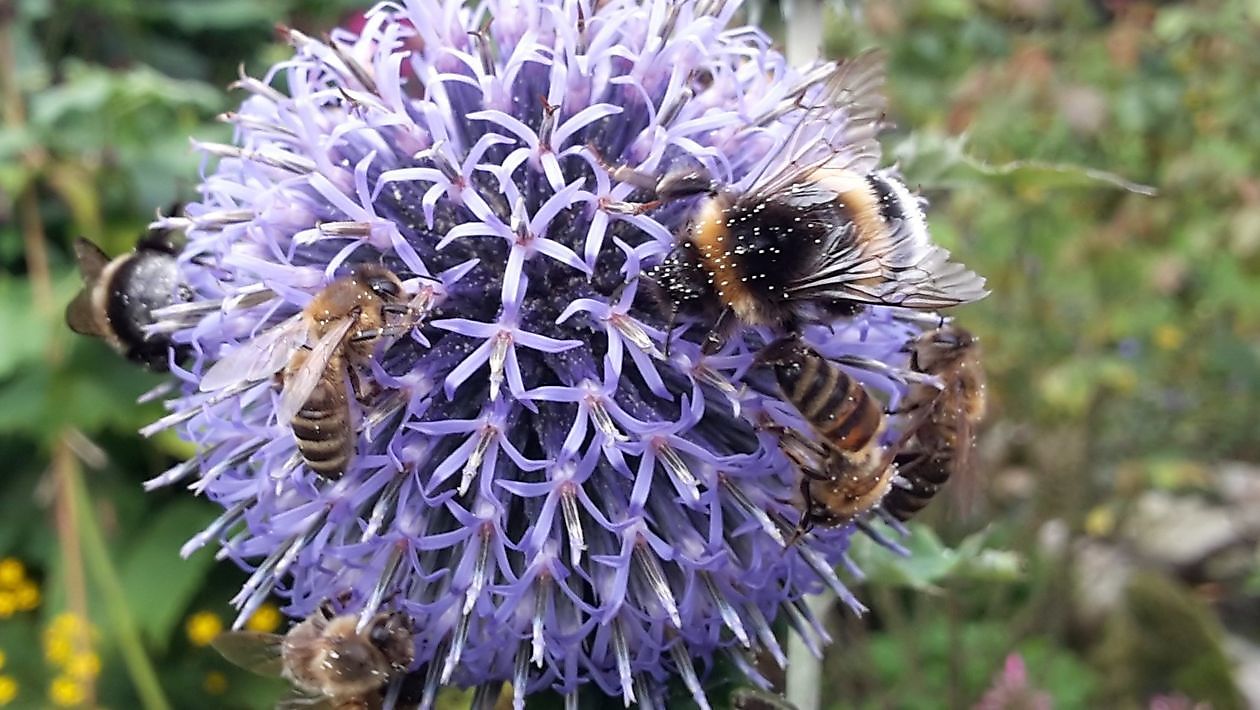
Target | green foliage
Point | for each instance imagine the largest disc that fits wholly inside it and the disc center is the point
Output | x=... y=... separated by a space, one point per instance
x=1165 y=641
x=930 y=563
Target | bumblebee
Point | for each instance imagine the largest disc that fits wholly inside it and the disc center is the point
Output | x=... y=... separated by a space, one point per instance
x=120 y=294
x=816 y=233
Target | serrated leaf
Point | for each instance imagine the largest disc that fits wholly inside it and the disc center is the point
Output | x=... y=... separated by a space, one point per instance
x=158 y=583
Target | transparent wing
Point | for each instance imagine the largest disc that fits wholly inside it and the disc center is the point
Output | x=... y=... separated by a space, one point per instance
x=843 y=106
x=92 y=261
x=252 y=650
x=257 y=359
x=298 y=387
x=79 y=315
x=898 y=267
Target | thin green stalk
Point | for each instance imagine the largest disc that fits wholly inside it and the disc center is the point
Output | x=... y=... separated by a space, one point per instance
x=139 y=667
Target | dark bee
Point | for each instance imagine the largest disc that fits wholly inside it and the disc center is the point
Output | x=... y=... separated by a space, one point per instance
x=327 y=658
x=119 y=296
x=817 y=233
x=844 y=470
x=943 y=440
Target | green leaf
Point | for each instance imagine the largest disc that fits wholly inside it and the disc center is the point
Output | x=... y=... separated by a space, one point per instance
x=159 y=585
x=930 y=563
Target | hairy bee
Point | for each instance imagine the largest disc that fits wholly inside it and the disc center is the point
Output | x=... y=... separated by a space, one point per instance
x=320 y=350
x=844 y=470
x=943 y=440
x=119 y=296
x=326 y=658
x=817 y=231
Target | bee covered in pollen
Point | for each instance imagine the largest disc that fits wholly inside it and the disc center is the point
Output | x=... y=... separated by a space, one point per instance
x=320 y=351
x=327 y=658
x=812 y=233
x=944 y=439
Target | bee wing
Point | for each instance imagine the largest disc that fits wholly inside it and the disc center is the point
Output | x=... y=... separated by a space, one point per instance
x=257 y=359
x=92 y=261
x=843 y=106
x=252 y=650
x=307 y=702
x=80 y=316
x=899 y=266
x=298 y=387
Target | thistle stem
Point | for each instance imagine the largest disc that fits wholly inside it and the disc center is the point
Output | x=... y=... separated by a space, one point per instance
x=139 y=667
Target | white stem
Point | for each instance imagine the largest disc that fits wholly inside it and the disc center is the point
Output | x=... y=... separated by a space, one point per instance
x=804 y=672
x=804 y=20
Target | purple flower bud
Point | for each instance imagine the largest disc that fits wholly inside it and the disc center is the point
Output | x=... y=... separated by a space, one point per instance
x=554 y=500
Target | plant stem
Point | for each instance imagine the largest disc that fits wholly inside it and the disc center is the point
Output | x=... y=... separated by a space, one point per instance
x=139 y=667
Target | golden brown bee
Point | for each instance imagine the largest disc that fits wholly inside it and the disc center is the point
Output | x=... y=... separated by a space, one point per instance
x=943 y=440
x=319 y=350
x=120 y=294
x=326 y=658
x=844 y=472
x=816 y=233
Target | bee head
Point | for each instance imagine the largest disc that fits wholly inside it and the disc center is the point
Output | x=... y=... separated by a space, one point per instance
x=686 y=183
x=381 y=280
x=391 y=634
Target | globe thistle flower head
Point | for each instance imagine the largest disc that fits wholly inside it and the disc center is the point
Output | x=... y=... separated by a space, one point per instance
x=552 y=498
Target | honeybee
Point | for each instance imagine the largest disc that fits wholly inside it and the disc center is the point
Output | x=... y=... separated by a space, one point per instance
x=326 y=658
x=120 y=294
x=845 y=472
x=818 y=231
x=944 y=438
x=319 y=350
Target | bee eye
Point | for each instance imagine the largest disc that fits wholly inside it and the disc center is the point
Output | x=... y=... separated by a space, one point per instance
x=380 y=634
x=385 y=287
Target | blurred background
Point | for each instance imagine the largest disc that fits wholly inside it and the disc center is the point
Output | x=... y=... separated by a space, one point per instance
x=1104 y=554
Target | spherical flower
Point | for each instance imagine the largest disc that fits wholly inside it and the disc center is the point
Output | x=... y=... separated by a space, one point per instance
x=555 y=496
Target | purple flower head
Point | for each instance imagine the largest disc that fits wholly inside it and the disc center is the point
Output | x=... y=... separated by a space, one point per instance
x=553 y=500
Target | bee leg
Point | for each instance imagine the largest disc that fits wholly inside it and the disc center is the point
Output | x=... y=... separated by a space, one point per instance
x=806 y=522
x=364 y=393
x=714 y=341
x=669 y=330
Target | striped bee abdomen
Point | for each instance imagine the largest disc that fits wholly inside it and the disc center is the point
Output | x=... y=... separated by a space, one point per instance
x=322 y=426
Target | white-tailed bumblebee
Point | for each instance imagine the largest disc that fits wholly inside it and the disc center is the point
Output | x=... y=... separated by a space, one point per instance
x=120 y=294
x=818 y=231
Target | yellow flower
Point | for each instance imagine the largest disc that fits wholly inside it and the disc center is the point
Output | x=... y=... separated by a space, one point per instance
x=26 y=595
x=1169 y=337
x=215 y=683
x=8 y=604
x=84 y=666
x=58 y=649
x=66 y=691
x=1100 y=521
x=67 y=623
x=8 y=689
x=266 y=620
x=202 y=627
x=3 y=659
x=12 y=572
